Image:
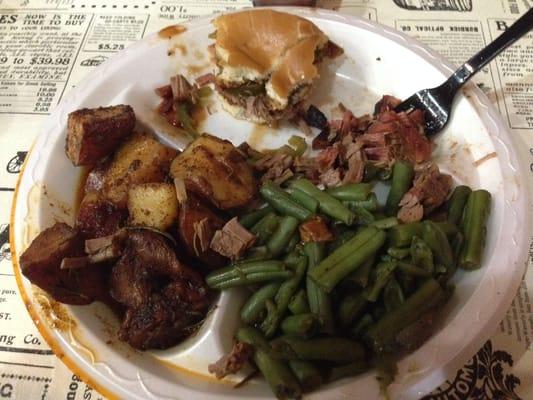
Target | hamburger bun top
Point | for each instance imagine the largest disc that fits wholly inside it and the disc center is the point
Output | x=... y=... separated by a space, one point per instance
x=265 y=44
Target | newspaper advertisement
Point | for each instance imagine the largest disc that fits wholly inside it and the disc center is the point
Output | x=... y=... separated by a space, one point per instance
x=48 y=46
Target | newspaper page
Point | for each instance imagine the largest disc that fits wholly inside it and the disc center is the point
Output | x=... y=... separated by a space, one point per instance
x=48 y=46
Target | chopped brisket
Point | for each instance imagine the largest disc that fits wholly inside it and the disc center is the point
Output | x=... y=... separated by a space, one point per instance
x=232 y=240
x=331 y=177
x=232 y=362
x=315 y=230
x=430 y=190
x=181 y=88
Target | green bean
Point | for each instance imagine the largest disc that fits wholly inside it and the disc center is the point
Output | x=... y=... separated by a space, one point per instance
x=421 y=255
x=336 y=349
x=437 y=241
x=385 y=223
x=402 y=179
x=242 y=268
x=279 y=376
x=250 y=219
x=329 y=205
x=249 y=279
x=474 y=227
x=282 y=202
x=282 y=299
x=344 y=251
x=340 y=239
x=282 y=236
x=304 y=200
x=298 y=303
x=361 y=275
x=448 y=228
x=370 y=204
x=185 y=119
x=348 y=370
x=276 y=372
x=350 y=308
x=265 y=227
x=362 y=247
x=362 y=325
x=294 y=256
x=351 y=191
x=257 y=253
x=319 y=301
x=298 y=143
x=457 y=244
x=293 y=242
x=252 y=309
x=252 y=336
x=413 y=270
x=456 y=204
x=392 y=294
x=402 y=235
x=307 y=374
x=303 y=325
x=398 y=252
x=383 y=273
x=382 y=335
x=363 y=216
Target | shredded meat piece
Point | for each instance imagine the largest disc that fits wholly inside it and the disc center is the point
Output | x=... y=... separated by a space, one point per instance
x=326 y=158
x=181 y=88
x=273 y=159
x=430 y=190
x=308 y=167
x=387 y=103
x=331 y=178
x=356 y=168
x=232 y=240
x=205 y=79
x=230 y=363
x=315 y=230
x=324 y=138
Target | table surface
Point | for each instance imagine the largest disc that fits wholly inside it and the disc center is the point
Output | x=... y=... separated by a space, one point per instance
x=35 y=74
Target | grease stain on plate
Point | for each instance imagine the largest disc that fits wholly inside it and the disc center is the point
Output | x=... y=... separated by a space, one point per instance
x=171 y=31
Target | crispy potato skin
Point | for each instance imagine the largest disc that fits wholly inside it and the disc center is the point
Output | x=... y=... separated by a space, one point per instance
x=95 y=133
x=192 y=213
x=140 y=159
x=153 y=204
x=215 y=170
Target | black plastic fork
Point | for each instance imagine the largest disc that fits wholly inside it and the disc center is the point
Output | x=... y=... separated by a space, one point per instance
x=437 y=102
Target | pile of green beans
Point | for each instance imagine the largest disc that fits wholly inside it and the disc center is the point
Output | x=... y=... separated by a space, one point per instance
x=325 y=311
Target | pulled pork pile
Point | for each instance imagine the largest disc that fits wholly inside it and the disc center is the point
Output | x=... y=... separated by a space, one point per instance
x=352 y=149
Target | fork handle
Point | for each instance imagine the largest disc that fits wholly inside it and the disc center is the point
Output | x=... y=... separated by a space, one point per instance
x=522 y=26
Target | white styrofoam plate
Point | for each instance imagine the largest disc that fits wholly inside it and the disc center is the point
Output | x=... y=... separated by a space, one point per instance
x=475 y=149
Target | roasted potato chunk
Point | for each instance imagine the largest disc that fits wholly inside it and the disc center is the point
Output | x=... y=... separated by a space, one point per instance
x=141 y=159
x=153 y=204
x=214 y=169
x=95 y=133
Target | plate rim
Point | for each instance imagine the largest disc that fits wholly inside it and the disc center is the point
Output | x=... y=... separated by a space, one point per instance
x=429 y=55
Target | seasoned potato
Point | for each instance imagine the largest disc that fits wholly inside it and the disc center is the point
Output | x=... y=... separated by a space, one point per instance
x=141 y=159
x=153 y=204
x=214 y=169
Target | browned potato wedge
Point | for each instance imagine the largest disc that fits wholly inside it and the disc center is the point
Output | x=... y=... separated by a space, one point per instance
x=153 y=204
x=214 y=169
x=141 y=159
